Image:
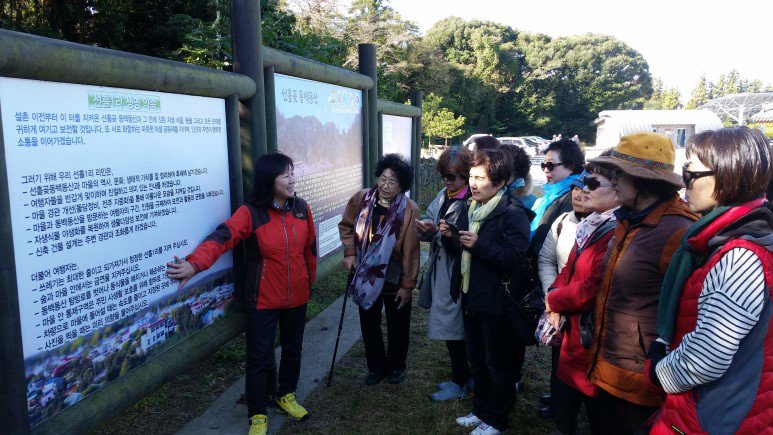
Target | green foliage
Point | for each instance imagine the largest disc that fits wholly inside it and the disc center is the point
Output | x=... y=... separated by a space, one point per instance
x=700 y=95
x=443 y=124
x=730 y=83
x=662 y=97
x=372 y=21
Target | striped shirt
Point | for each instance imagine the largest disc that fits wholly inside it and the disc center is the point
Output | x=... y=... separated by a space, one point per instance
x=730 y=304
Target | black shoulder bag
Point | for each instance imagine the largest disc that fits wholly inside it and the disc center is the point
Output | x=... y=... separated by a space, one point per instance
x=525 y=305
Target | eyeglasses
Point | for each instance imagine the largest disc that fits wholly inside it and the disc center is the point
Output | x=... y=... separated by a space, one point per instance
x=593 y=183
x=449 y=177
x=391 y=184
x=688 y=176
x=549 y=165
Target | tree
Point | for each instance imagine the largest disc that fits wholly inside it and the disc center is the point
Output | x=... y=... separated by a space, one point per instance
x=671 y=98
x=444 y=124
x=319 y=30
x=728 y=84
x=481 y=72
x=429 y=107
x=663 y=98
x=700 y=94
x=372 y=21
x=575 y=77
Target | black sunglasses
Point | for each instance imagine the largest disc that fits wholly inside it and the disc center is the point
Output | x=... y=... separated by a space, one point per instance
x=688 y=176
x=449 y=177
x=594 y=183
x=549 y=165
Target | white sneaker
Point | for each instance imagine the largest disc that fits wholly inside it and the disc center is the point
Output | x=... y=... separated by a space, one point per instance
x=484 y=429
x=469 y=420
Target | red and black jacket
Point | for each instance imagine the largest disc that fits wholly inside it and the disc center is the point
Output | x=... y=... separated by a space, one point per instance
x=281 y=253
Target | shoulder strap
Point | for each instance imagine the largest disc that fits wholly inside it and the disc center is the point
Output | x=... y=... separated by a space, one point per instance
x=560 y=225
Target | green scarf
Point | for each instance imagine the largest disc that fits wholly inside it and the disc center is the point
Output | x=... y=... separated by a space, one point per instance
x=476 y=213
x=684 y=262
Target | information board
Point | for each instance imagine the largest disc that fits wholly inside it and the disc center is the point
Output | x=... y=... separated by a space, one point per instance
x=106 y=185
x=396 y=133
x=320 y=127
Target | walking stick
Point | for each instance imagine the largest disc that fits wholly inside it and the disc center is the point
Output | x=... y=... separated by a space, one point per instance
x=340 y=326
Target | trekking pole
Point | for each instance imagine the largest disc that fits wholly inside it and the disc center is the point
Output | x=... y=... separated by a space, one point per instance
x=340 y=326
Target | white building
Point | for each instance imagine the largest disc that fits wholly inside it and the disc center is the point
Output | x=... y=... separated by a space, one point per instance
x=679 y=125
x=156 y=333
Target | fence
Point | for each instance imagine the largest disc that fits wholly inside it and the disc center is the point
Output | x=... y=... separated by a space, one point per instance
x=171 y=332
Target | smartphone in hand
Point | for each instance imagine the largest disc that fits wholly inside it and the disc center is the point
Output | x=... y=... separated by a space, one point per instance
x=453 y=230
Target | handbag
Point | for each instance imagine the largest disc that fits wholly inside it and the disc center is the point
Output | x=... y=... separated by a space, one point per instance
x=525 y=310
x=586 y=329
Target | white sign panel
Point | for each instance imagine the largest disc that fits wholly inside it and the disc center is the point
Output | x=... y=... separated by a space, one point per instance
x=106 y=186
x=320 y=127
x=396 y=133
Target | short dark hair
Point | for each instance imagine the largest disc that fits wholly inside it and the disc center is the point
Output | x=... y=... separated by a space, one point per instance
x=521 y=162
x=267 y=168
x=400 y=166
x=485 y=143
x=741 y=158
x=495 y=163
x=454 y=160
x=603 y=170
x=571 y=155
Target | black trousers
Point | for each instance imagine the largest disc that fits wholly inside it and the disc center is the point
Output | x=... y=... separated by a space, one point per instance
x=381 y=360
x=460 y=367
x=261 y=333
x=491 y=355
x=555 y=353
x=622 y=416
x=519 y=356
x=567 y=403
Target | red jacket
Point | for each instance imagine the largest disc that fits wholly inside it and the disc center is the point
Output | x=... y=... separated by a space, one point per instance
x=572 y=293
x=741 y=400
x=281 y=253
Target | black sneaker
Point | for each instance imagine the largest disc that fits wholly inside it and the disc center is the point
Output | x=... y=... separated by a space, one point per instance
x=373 y=378
x=396 y=376
x=546 y=399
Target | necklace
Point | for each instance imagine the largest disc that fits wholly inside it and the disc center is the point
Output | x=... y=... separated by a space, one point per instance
x=384 y=202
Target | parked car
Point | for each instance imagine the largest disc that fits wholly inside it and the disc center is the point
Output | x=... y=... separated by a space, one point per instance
x=468 y=142
x=542 y=143
x=526 y=144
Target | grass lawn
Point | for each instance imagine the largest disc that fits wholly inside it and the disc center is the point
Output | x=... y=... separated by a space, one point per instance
x=189 y=394
x=349 y=406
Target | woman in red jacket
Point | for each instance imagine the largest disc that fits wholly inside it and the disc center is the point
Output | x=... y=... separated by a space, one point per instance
x=278 y=231
x=715 y=306
x=573 y=295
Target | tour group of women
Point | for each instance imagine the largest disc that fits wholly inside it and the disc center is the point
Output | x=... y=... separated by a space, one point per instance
x=658 y=299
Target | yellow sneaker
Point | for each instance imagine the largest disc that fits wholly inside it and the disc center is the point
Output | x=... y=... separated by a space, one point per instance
x=288 y=405
x=258 y=424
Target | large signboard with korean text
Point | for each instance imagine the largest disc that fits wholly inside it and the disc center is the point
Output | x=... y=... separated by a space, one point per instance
x=106 y=186
x=320 y=127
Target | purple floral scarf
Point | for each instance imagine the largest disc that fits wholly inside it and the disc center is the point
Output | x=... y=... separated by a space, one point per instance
x=373 y=253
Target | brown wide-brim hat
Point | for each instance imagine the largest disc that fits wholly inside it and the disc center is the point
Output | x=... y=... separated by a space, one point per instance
x=644 y=155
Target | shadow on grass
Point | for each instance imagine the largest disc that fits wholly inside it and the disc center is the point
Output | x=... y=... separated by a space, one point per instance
x=349 y=406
